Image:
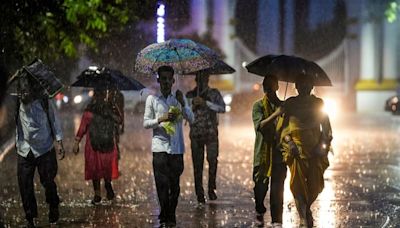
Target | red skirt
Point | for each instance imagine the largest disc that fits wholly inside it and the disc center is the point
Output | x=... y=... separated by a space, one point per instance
x=100 y=165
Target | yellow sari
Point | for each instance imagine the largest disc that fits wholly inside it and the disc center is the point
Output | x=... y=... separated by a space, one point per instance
x=302 y=121
x=268 y=144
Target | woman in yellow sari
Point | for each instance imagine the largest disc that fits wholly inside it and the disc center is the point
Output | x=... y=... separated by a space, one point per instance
x=305 y=136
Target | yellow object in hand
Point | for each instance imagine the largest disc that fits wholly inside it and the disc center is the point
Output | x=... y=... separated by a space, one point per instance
x=170 y=125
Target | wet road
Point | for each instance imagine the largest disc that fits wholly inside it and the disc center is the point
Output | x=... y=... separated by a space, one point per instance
x=362 y=187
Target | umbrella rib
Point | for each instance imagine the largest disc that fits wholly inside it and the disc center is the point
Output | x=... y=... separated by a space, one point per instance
x=155 y=61
x=179 y=59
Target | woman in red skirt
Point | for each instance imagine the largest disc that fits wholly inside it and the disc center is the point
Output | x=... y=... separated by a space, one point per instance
x=101 y=155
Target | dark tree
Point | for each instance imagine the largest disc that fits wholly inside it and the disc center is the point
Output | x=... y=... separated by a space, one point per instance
x=57 y=29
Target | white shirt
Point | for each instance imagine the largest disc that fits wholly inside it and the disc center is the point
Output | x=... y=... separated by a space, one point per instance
x=156 y=106
x=33 y=129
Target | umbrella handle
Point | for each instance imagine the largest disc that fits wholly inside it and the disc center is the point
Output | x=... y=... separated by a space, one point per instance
x=13 y=77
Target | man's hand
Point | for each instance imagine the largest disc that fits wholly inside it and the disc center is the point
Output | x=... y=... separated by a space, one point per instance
x=294 y=150
x=59 y=147
x=169 y=116
x=75 y=149
x=179 y=97
x=198 y=101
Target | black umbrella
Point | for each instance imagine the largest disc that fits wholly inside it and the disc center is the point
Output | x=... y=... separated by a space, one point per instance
x=289 y=69
x=220 y=67
x=42 y=74
x=105 y=78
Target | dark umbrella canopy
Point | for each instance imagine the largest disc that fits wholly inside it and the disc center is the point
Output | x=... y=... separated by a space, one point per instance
x=106 y=78
x=46 y=81
x=220 y=67
x=289 y=69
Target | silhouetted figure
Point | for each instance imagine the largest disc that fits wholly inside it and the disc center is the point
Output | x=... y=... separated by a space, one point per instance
x=117 y=102
x=4 y=74
x=305 y=141
x=206 y=102
x=268 y=163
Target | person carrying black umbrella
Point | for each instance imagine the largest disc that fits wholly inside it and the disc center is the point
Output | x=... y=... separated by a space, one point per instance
x=101 y=154
x=206 y=102
x=268 y=163
x=305 y=138
x=117 y=101
x=38 y=126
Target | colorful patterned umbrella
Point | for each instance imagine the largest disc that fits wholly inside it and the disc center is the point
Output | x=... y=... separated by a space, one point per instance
x=219 y=68
x=183 y=55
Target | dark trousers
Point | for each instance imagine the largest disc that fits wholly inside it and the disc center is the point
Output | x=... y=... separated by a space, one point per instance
x=47 y=168
x=278 y=176
x=198 y=163
x=167 y=171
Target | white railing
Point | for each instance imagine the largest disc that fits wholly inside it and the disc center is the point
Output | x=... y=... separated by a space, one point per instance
x=244 y=81
x=336 y=65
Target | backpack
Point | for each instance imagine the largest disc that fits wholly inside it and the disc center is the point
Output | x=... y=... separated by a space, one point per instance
x=102 y=132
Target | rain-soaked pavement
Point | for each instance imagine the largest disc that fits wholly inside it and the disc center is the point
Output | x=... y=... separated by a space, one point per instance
x=362 y=184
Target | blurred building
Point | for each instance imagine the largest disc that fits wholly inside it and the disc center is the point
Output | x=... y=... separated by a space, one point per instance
x=351 y=40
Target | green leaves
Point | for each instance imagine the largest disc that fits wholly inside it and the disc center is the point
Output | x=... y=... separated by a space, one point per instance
x=392 y=10
x=51 y=29
x=68 y=47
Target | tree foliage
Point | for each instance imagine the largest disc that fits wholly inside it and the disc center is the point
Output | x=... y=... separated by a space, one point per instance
x=392 y=9
x=50 y=29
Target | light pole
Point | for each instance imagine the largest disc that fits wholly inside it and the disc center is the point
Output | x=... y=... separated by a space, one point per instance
x=160 y=22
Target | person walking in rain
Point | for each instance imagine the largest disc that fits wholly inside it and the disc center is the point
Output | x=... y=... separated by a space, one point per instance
x=101 y=155
x=117 y=100
x=3 y=82
x=206 y=103
x=37 y=127
x=268 y=161
x=164 y=114
x=305 y=140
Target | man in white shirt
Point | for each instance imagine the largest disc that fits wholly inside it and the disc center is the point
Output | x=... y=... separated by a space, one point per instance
x=167 y=148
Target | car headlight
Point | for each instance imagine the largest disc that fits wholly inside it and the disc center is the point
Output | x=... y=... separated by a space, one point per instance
x=65 y=99
x=331 y=107
x=77 y=99
x=228 y=99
